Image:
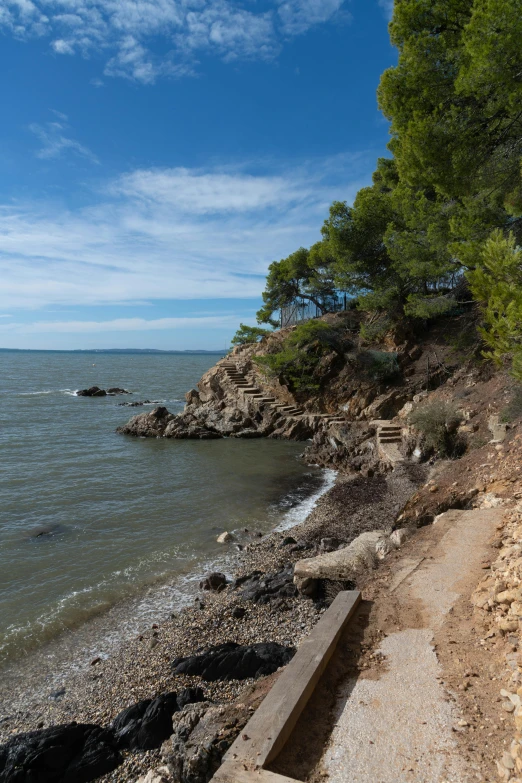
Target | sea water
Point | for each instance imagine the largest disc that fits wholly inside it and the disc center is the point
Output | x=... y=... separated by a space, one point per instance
x=91 y=520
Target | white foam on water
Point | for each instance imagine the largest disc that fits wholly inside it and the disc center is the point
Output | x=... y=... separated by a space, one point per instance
x=48 y=666
x=298 y=514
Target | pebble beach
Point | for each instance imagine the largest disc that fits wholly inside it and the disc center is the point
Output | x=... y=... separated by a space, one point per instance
x=141 y=668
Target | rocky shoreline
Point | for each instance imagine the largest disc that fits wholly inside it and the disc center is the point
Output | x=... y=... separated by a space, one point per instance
x=260 y=606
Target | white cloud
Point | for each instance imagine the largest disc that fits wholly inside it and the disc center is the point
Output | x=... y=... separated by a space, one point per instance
x=120 y=325
x=167 y=234
x=297 y=16
x=54 y=142
x=125 y=29
x=387 y=5
x=198 y=192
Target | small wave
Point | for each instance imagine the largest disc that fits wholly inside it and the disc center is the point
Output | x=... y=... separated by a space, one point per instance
x=36 y=393
x=300 y=512
x=71 y=392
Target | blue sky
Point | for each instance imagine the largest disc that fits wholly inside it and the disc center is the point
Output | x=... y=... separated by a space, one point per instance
x=157 y=155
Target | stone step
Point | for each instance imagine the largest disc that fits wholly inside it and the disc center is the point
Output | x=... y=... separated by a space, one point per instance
x=251 y=390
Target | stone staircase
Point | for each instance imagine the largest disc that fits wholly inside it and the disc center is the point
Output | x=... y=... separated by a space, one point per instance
x=389 y=439
x=242 y=383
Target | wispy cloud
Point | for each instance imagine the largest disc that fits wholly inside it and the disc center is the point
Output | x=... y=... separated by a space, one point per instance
x=54 y=141
x=168 y=234
x=120 y=325
x=124 y=30
x=387 y=5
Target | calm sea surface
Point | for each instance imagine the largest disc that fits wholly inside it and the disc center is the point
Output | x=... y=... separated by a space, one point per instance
x=89 y=518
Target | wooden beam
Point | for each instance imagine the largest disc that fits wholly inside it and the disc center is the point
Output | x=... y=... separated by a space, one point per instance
x=269 y=728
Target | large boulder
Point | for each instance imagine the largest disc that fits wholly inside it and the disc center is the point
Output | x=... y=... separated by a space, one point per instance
x=343 y=565
x=148 y=425
x=147 y=724
x=263 y=588
x=231 y=661
x=93 y=391
x=71 y=753
x=202 y=733
x=215 y=581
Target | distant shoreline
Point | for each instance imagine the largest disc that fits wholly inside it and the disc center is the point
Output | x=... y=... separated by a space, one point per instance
x=187 y=352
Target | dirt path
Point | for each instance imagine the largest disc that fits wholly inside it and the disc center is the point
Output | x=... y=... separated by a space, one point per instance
x=392 y=692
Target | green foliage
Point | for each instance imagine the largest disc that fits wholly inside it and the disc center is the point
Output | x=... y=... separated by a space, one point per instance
x=300 y=355
x=438 y=422
x=372 y=332
x=249 y=334
x=429 y=307
x=379 y=365
x=305 y=274
x=454 y=175
x=496 y=282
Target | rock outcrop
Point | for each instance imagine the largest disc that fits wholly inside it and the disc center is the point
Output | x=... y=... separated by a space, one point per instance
x=147 y=724
x=95 y=391
x=201 y=736
x=71 y=753
x=231 y=661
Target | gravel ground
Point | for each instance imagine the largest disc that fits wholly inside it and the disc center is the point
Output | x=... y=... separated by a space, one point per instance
x=141 y=668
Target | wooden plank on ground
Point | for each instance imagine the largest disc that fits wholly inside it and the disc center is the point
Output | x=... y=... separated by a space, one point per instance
x=271 y=725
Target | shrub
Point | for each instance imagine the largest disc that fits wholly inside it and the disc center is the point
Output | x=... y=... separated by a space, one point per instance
x=379 y=365
x=496 y=282
x=438 y=422
x=300 y=354
x=373 y=332
x=249 y=334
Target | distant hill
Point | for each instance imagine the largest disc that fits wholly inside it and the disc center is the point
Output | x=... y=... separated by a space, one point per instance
x=109 y=350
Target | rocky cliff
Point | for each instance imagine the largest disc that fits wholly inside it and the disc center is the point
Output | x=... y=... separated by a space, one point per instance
x=352 y=396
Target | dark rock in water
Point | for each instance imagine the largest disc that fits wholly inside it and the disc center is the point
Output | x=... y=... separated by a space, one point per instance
x=137 y=403
x=231 y=661
x=263 y=588
x=72 y=753
x=44 y=532
x=148 y=723
x=288 y=540
x=214 y=581
x=94 y=391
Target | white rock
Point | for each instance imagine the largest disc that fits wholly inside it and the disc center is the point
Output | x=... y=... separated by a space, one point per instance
x=223 y=538
x=160 y=775
x=399 y=536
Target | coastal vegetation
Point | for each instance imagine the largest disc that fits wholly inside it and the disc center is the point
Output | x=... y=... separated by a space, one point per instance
x=444 y=211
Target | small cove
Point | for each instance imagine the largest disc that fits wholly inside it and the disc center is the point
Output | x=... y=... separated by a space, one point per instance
x=112 y=530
